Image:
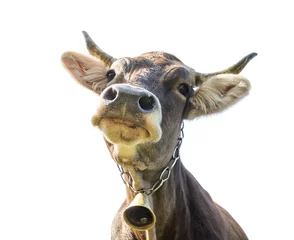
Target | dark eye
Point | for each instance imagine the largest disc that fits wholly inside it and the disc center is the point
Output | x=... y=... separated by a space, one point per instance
x=110 y=74
x=184 y=89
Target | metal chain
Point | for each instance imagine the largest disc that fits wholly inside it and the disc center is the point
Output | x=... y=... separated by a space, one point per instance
x=165 y=174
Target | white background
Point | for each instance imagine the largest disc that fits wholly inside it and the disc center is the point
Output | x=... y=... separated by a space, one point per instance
x=57 y=180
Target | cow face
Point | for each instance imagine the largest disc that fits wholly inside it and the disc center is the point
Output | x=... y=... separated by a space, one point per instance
x=143 y=100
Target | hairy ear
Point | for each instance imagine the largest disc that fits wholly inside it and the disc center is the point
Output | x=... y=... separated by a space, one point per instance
x=216 y=94
x=88 y=71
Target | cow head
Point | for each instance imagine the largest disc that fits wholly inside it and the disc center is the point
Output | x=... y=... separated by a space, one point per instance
x=143 y=100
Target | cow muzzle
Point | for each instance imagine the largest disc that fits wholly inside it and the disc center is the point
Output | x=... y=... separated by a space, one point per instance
x=128 y=115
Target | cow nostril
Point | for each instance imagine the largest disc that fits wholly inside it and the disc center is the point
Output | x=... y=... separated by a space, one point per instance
x=110 y=94
x=146 y=103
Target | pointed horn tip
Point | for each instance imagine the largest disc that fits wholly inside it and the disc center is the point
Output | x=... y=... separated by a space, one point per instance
x=252 y=55
x=90 y=43
x=86 y=35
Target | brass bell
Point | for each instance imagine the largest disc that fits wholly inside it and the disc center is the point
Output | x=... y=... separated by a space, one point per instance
x=138 y=215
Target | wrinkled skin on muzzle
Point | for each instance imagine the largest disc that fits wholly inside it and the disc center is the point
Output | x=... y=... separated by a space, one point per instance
x=128 y=115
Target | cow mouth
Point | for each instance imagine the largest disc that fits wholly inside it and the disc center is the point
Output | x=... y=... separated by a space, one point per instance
x=121 y=121
x=121 y=131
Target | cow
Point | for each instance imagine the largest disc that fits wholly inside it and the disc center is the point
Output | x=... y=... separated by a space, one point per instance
x=142 y=103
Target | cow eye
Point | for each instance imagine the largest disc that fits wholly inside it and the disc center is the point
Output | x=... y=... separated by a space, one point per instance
x=110 y=74
x=184 y=89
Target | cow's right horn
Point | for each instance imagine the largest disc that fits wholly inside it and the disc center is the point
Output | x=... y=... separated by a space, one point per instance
x=96 y=51
x=139 y=215
x=235 y=69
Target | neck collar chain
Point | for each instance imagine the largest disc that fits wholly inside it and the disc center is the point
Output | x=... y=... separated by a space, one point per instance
x=164 y=176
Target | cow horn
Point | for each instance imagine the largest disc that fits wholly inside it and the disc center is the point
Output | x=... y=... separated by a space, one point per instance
x=96 y=51
x=235 y=69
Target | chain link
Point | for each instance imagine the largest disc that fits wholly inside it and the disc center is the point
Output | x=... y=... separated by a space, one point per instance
x=165 y=174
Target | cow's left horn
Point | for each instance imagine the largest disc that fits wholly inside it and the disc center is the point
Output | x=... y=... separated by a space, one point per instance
x=96 y=51
x=235 y=69
x=139 y=215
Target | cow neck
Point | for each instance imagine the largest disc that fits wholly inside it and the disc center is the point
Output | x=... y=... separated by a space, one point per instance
x=170 y=205
x=164 y=175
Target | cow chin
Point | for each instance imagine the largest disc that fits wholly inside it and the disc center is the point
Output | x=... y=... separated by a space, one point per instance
x=124 y=132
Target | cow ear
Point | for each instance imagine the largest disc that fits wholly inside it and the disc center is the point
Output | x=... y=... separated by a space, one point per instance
x=216 y=94
x=88 y=71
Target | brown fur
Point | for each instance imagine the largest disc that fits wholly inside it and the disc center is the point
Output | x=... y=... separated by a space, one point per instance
x=183 y=208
